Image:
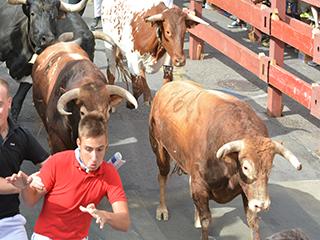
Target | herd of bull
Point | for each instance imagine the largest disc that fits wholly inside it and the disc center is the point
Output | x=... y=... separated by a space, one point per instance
x=215 y=138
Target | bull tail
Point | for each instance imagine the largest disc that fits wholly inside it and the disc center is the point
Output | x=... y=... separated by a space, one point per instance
x=178 y=170
x=122 y=69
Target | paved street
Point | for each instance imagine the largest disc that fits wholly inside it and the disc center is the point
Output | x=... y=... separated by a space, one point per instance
x=295 y=196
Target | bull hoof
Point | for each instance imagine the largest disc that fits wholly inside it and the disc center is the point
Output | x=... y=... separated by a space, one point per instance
x=197 y=223
x=162 y=214
x=212 y=238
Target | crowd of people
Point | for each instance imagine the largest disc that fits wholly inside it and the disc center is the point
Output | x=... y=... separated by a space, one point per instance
x=294 y=8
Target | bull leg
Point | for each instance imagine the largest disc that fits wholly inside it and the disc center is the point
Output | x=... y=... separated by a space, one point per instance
x=57 y=144
x=167 y=69
x=18 y=99
x=162 y=210
x=252 y=219
x=140 y=86
x=197 y=223
x=201 y=201
x=145 y=88
x=163 y=162
x=111 y=78
x=167 y=74
x=136 y=89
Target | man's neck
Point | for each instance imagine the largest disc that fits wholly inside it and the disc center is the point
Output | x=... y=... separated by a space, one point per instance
x=4 y=130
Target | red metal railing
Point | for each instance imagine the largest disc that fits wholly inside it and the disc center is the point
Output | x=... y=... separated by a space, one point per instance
x=282 y=29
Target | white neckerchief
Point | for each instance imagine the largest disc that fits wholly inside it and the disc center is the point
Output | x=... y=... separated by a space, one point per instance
x=81 y=163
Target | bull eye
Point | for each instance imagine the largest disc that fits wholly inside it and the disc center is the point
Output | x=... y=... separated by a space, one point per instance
x=32 y=14
x=168 y=33
x=82 y=113
x=246 y=166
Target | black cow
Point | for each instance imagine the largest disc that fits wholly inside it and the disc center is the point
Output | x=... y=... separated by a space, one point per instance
x=29 y=29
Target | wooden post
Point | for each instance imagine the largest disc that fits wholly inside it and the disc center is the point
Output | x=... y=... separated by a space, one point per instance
x=195 y=44
x=276 y=53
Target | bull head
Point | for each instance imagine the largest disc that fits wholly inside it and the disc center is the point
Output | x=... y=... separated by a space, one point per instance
x=171 y=28
x=42 y=19
x=255 y=157
x=238 y=145
x=75 y=93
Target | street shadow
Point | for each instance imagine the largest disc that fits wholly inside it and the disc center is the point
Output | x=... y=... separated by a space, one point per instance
x=290 y=208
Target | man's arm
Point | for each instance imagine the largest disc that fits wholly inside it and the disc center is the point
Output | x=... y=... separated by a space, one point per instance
x=7 y=188
x=118 y=219
x=29 y=194
x=42 y=163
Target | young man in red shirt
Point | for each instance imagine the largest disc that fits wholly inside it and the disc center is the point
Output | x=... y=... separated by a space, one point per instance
x=74 y=183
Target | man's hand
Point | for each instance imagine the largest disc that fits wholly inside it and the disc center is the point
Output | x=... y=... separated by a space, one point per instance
x=20 y=180
x=36 y=181
x=97 y=214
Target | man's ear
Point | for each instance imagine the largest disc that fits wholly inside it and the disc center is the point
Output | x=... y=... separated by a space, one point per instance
x=78 y=142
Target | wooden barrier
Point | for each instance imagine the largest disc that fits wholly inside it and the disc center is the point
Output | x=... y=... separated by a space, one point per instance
x=282 y=29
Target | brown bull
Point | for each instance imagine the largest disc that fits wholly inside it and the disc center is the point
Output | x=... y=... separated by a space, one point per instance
x=220 y=142
x=64 y=77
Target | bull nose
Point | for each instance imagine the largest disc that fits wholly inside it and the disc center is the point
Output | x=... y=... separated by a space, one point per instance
x=179 y=62
x=46 y=39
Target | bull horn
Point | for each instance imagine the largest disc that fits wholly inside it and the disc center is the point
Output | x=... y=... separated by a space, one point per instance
x=67 y=7
x=103 y=36
x=17 y=2
x=234 y=146
x=154 y=18
x=194 y=18
x=33 y=58
x=65 y=98
x=123 y=93
x=284 y=152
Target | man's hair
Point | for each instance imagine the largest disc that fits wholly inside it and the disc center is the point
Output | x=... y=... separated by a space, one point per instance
x=5 y=84
x=92 y=125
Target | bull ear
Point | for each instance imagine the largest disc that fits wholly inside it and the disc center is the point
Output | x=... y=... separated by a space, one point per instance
x=62 y=90
x=122 y=94
x=115 y=100
x=26 y=9
x=61 y=15
x=191 y=24
x=192 y=20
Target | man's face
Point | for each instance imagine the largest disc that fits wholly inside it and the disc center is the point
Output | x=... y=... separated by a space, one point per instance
x=5 y=104
x=92 y=151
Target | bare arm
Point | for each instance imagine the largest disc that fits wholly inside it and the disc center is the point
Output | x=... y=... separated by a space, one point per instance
x=118 y=219
x=41 y=164
x=30 y=194
x=7 y=188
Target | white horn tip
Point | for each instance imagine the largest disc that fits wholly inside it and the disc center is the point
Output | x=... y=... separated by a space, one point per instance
x=298 y=166
x=219 y=154
x=135 y=105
